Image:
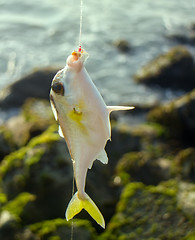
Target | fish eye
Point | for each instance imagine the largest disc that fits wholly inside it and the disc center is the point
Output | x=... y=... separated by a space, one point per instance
x=58 y=88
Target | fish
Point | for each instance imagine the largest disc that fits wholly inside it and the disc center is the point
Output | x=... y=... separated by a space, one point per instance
x=84 y=123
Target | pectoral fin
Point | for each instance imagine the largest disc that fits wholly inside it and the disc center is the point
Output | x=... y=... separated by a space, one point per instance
x=118 y=108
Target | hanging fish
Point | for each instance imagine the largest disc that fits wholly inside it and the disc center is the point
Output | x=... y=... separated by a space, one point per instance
x=84 y=122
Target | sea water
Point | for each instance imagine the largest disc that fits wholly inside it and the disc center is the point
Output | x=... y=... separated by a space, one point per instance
x=39 y=33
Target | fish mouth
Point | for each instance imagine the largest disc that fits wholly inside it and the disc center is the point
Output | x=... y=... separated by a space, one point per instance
x=76 y=55
x=79 y=55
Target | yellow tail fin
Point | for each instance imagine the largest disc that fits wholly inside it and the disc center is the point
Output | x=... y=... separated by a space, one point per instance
x=76 y=205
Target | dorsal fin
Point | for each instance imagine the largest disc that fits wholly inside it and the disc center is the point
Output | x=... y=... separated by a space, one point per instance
x=118 y=108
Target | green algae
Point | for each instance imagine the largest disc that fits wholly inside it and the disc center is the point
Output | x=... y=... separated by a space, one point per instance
x=3 y=198
x=169 y=188
x=46 y=227
x=183 y=165
x=54 y=238
x=6 y=142
x=159 y=66
x=37 y=110
x=128 y=192
x=148 y=212
x=48 y=136
x=25 y=155
x=16 y=206
x=148 y=166
x=42 y=167
x=60 y=229
x=177 y=116
x=190 y=236
x=168 y=116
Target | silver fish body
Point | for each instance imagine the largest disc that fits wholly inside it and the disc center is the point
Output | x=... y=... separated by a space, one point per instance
x=84 y=123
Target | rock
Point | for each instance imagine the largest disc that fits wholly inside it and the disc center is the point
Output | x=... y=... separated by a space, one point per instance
x=43 y=168
x=186 y=198
x=183 y=34
x=148 y=212
x=6 y=142
x=20 y=135
x=35 y=117
x=178 y=117
x=123 y=140
x=36 y=85
x=60 y=229
x=148 y=165
x=16 y=207
x=122 y=45
x=189 y=38
x=192 y=26
x=26 y=234
x=9 y=226
x=143 y=167
x=184 y=166
x=38 y=115
x=174 y=69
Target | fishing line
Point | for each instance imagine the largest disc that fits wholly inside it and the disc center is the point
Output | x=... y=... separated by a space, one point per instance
x=80 y=36
x=81 y=22
x=72 y=221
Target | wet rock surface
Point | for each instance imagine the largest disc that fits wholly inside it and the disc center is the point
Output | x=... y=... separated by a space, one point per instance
x=36 y=84
x=174 y=69
x=178 y=117
x=122 y=45
x=148 y=213
x=183 y=34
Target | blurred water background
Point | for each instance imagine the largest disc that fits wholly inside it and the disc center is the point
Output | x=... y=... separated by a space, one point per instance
x=41 y=33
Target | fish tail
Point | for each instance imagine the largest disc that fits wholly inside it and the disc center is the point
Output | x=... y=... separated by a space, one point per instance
x=76 y=205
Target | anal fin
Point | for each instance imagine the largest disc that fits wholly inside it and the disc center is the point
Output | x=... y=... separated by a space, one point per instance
x=102 y=156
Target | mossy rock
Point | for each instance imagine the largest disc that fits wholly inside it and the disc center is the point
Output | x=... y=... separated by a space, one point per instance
x=11 y=215
x=151 y=164
x=42 y=168
x=186 y=199
x=3 y=199
x=122 y=45
x=143 y=167
x=123 y=140
x=148 y=212
x=38 y=115
x=182 y=34
x=35 y=117
x=16 y=206
x=19 y=130
x=184 y=164
x=9 y=226
x=60 y=229
x=178 y=117
x=7 y=144
x=174 y=69
x=36 y=85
